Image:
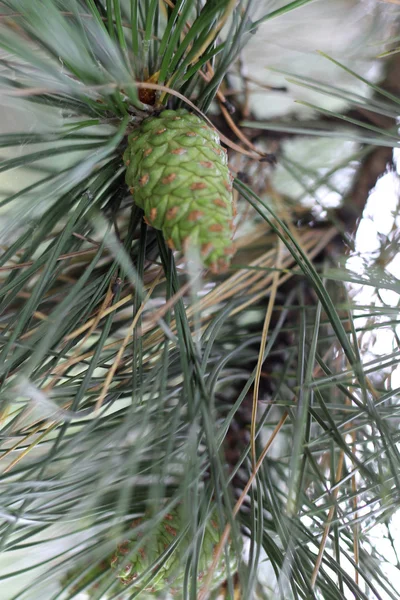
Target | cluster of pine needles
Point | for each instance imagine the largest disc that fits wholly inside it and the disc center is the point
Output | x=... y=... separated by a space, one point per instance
x=123 y=373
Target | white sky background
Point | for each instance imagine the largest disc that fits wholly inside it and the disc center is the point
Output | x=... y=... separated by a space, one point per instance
x=380 y=223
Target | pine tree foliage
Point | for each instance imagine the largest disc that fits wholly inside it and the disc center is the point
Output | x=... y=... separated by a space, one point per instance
x=125 y=368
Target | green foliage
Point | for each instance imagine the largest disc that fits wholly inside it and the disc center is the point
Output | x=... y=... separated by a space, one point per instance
x=123 y=375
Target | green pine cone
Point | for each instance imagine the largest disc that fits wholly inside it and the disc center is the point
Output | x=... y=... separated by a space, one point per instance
x=89 y=579
x=170 y=575
x=84 y=578
x=178 y=174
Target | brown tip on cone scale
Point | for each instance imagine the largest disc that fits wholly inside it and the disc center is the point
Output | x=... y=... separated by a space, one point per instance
x=170 y=530
x=123 y=547
x=171 y=213
x=206 y=249
x=228 y=186
x=230 y=251
x=169 y=178
x=195 y=215
x=198 y=185
x=216 y=227
x=179 y=151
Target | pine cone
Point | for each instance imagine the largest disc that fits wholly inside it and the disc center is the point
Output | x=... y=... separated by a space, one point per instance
x=94 y=578
x=178 y=174
x=170 y=574
x=79 y=578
